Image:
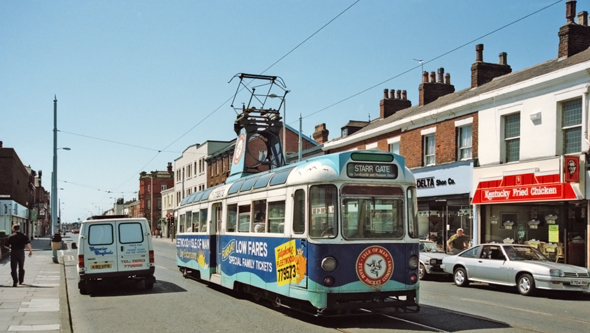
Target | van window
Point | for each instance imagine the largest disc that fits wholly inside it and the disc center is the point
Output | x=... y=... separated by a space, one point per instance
x=130 y=233
x=100 y=234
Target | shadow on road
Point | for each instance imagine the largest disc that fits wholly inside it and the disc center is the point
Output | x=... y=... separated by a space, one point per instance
x=133 y=288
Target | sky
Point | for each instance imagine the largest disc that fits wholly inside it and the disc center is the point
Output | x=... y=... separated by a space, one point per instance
x=137 y=82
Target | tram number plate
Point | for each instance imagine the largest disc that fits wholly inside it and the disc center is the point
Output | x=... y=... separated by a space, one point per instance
x=578 y=283
x=100 y=266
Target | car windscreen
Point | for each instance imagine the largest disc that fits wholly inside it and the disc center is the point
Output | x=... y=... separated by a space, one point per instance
x=524 y=253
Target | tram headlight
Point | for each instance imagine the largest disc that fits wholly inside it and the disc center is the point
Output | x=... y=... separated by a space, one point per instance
x=329 y=264
x=328 y=281
x=413 y=262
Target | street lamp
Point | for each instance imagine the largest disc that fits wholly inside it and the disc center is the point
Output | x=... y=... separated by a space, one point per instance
x=54 y=172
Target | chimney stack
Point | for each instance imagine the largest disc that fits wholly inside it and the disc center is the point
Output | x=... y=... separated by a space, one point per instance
x=392 y=103
x=484 y=72
x=431 y=90
x=320 y=135
x=573 y=38
x=169 y=167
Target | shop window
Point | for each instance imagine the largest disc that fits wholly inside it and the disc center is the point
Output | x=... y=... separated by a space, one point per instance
x=512 y=137
x=571 y=126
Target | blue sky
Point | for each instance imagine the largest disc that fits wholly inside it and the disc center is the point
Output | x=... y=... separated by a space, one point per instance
x=136 y=77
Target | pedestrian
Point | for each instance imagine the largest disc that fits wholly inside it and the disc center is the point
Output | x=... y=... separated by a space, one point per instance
x=159 y=232
x=16 y=243
x=457 y=242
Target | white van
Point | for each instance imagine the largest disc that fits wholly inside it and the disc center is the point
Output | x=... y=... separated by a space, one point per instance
x=115 y=248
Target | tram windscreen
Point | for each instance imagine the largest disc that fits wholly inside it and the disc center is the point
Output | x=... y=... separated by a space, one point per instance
x=372 y=218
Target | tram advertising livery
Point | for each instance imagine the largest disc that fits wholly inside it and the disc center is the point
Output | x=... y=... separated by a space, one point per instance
x=329 y=235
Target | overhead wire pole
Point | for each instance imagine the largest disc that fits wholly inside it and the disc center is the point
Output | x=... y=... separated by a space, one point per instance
x=54 y=172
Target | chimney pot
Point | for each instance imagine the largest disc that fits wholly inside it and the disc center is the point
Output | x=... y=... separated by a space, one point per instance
x=432 y=77
x=441 y=72
x=479 y=52
x=503 y=59
x=392 y=94
x=398 y=94
x=447 y=78
x=583 y=18
x=385 y=93
x=404 y=95
x=570 y=11
x=424 y=77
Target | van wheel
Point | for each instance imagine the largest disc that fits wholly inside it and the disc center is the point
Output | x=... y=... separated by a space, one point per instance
x=83 y=287
x=149 y=283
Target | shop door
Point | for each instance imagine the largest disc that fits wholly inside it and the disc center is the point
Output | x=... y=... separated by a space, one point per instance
x=574 y=235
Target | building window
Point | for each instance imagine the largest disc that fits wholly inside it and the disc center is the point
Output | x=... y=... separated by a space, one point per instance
x=188 y=171
x=394 y=147
x=571 y=126
x=164 y=187
x=429 y=149
x=464 y=135
x=195 y=168
x=512 y=137
x=344 y=132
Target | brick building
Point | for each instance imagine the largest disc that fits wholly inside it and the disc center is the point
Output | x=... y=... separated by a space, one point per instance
x=150 y=188
x=17 y=192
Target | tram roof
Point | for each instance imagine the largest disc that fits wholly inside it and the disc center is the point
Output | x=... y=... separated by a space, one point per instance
x=332 y=162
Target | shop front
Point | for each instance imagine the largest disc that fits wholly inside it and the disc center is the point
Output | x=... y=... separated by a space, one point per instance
x=544 y=209
x=444 y=201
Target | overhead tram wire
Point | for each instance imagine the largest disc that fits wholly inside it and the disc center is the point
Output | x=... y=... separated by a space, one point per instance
x=223 y=104
x=431 y=60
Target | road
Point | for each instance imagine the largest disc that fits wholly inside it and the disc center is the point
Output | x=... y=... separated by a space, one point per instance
x=177 y=304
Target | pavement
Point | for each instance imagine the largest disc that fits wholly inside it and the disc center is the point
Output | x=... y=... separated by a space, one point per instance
x=40 y=304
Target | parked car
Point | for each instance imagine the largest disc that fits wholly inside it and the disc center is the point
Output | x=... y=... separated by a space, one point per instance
x=430 y=259
x=515 y=265
x=75 y=231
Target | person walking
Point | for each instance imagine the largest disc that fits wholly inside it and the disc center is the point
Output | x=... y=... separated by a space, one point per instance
x=16 y=243
x=457 y=242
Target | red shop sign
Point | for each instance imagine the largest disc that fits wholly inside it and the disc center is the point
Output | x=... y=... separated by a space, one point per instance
x=571 y=169
x=525 y=187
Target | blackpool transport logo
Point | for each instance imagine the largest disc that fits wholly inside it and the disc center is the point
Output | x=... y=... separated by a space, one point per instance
x=374 y=266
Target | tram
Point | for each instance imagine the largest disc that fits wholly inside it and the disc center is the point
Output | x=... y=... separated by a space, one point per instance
x=332 y=234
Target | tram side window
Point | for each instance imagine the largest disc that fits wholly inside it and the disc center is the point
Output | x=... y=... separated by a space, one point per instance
x=276 y=217
x=195 y=221
x=232 y=217
x=189 y=226
x=203 y=220
x=299 y=212
x=181 y=220
x=244 y=218
x=323 y=218
x=259 y=209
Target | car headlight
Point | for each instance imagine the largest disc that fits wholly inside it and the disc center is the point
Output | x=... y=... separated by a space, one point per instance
x=433 y=261
x=555 y=272
x=329 y=264
x=413 y=262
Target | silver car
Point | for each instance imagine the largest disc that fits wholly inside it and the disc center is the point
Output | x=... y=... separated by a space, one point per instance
x=514 y=265
x=430 y=259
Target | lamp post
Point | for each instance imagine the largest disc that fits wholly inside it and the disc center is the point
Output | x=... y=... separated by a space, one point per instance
x=54 y=172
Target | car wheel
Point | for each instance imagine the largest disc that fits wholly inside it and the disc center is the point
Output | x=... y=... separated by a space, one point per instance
x=526 y=285
x=460 y=277
x=422 y=272
x=149 y=283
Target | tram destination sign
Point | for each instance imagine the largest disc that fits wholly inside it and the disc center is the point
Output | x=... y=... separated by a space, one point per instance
x=371 y=170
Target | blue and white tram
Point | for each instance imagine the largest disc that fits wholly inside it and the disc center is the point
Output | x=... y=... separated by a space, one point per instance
x=337 y=232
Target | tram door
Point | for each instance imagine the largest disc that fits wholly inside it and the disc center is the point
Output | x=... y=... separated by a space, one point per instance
x=299 y=231
x=216 y=219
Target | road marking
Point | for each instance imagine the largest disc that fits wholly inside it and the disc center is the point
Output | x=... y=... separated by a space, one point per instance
x=26 y=328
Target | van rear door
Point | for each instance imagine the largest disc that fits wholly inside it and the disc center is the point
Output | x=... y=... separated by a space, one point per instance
x=100 y=248
x=133 y=249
